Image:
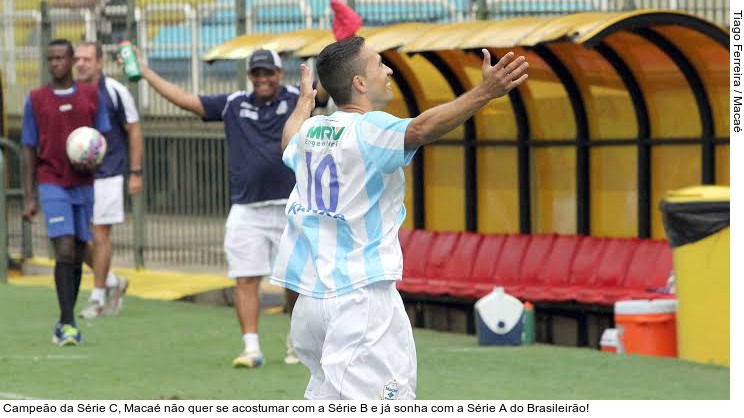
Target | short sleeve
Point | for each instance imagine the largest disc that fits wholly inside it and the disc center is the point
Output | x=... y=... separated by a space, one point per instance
x=214 y=106
x=130 y=109
x=384 y=135
x=29 y=131
x=102 y=120
x=290 y=157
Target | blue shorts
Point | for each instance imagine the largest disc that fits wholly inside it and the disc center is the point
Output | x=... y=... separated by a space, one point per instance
x=67 y=211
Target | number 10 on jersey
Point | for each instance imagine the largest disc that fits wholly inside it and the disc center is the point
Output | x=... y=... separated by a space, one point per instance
x=316 y=186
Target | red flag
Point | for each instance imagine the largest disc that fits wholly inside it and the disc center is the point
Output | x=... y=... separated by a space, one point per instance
x=346 y=21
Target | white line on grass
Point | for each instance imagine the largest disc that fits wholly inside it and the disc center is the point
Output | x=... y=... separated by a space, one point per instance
x=16 y=396
x=467 y=349
x=45 y=357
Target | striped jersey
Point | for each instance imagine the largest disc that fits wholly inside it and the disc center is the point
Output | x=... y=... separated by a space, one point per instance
x=347 y=205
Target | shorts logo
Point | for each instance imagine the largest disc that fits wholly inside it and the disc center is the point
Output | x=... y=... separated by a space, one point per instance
x=56 y=220
x=391 y=391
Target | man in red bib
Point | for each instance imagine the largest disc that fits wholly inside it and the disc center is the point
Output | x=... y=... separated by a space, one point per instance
x=50 y=113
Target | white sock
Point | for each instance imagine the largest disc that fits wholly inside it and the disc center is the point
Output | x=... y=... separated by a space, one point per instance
x=98 y=295
x=251 y=342
x=111 y=280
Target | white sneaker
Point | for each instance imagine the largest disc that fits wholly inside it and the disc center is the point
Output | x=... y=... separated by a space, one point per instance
x=249 y=359
x=115 y=296
x=92 y=310
x=291 y=357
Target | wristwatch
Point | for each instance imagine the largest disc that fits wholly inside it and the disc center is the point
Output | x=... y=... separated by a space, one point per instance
x=137 y=172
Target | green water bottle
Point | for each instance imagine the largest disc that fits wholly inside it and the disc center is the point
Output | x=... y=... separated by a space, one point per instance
x=131 y=66
x=528 y=324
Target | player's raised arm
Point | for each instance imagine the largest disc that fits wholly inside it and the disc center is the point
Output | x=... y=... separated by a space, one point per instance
x=171 y=92
x=498 y=80
x=305 y=106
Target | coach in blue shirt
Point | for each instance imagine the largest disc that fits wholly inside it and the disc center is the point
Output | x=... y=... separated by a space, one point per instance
x=259 y=182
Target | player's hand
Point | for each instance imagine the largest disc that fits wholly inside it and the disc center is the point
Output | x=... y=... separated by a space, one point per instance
x=140 y=60
x=30 y=208
x=307 y=92
x=135 y=184
x=507 y=74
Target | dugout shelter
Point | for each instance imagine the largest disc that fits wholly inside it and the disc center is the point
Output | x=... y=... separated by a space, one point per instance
x=619 y=108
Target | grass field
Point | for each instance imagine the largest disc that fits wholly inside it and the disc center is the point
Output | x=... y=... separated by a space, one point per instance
x=177 y=350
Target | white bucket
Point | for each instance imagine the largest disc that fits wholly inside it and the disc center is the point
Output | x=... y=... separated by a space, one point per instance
x=498 y=319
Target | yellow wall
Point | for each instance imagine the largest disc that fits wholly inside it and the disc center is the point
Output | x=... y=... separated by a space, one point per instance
x=723 y=174
x=614 y=191
x=498 y=190
x=554 y=190
x=674 y=167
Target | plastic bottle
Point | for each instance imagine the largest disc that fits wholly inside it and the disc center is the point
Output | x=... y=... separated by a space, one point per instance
x=131 y=66
x=528 y=324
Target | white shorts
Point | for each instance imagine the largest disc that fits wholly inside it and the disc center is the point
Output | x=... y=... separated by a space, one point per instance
x=108 y=207
x=357 y=346
x=252 y=235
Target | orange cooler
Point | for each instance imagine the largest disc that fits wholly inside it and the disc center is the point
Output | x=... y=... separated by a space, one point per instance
x=647 y=327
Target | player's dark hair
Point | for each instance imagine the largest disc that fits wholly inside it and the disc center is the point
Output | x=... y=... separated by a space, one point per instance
x=63 y=42
x=337 y=65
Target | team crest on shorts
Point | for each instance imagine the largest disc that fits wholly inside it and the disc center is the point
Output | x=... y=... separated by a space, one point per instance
x=391 y=391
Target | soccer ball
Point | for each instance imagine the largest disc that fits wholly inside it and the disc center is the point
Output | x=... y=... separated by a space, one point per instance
x=86 y=148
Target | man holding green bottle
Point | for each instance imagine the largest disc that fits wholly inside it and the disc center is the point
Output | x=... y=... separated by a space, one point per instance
x=124 y=140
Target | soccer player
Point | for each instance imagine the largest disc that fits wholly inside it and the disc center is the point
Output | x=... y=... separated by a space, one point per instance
x=50 y=113
x=259 y=182
x=340 y=249
x=124 y=138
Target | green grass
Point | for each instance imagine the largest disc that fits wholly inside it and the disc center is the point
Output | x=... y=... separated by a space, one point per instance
x=176 y=350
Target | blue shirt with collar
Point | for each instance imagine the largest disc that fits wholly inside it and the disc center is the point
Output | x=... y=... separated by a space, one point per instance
x=254 y=138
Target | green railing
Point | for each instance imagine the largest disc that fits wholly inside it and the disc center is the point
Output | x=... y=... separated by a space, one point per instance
x=11 y=200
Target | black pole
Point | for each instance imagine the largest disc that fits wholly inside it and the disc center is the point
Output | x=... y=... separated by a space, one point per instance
x=644 y=135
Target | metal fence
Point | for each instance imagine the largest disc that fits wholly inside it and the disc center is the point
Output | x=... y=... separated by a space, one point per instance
x=714 y=10
x=173 y=34
x=186 y=194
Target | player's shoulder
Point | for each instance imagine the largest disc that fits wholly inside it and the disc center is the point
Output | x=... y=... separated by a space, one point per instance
x=115 y=84
x=237 y=96
x=379 y=118
x=313 y=120
x=292 y=90
x=39 y=92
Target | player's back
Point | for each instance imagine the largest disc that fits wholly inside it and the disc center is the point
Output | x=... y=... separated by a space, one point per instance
x=347 y=205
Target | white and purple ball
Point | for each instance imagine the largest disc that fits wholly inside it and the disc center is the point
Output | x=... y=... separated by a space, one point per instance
x=86 y=147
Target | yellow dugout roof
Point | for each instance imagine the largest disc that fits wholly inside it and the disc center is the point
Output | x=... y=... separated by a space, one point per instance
x=583 y=28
